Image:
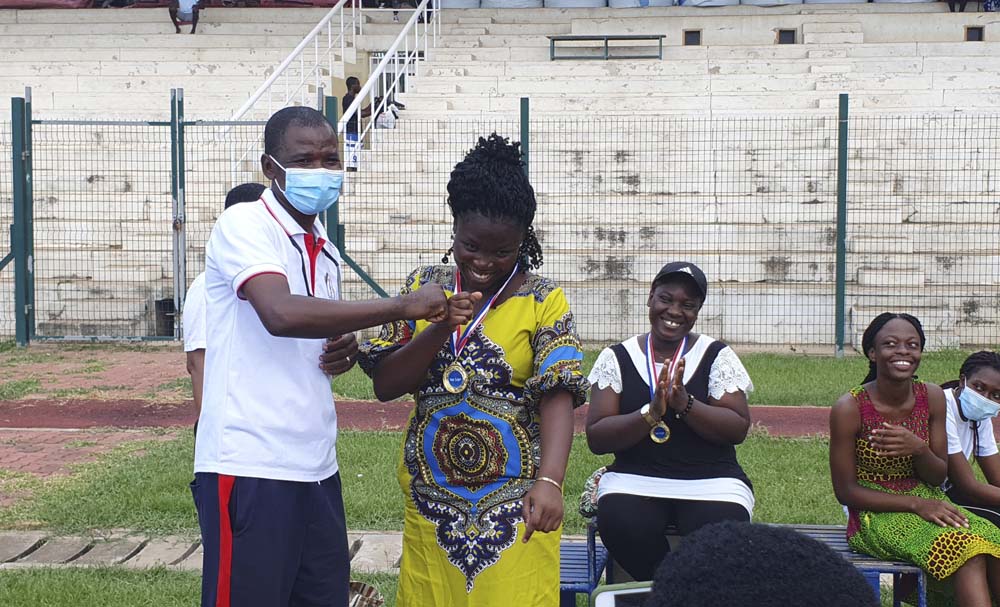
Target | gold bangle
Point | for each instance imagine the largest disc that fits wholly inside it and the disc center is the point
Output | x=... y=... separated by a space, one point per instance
x=549 y=480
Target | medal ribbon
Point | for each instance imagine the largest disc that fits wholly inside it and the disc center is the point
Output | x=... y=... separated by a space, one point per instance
x=651 y=364
x=459 y=338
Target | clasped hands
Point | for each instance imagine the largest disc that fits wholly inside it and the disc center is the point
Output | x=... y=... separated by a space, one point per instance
x=669 y=394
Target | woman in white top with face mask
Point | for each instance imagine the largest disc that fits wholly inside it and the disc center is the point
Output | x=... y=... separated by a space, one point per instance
x=973 y=401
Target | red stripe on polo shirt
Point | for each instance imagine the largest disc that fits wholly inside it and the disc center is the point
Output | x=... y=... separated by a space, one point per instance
x=313 y=248
x=239 y=291
x=224 y=582
x=281 y=225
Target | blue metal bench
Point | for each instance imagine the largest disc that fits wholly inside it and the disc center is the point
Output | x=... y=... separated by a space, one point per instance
x=835 y=537
x=580 y=567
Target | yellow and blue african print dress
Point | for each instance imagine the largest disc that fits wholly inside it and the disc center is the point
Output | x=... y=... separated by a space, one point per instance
x=469 y=458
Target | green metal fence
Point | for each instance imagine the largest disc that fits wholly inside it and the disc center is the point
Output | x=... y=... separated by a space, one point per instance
x=807 y=226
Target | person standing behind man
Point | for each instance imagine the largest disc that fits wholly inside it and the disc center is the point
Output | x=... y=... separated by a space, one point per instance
x=352 y=137
x=193 y=317
x=267 y=487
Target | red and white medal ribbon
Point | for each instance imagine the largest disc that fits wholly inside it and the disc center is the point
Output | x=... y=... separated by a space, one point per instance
x=671 y=368
x=459 y=338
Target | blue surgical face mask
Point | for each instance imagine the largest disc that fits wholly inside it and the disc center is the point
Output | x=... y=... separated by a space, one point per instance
x=311 y=191
x=975 y=406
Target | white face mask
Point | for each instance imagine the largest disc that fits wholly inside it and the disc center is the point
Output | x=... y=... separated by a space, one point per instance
x=975 y=406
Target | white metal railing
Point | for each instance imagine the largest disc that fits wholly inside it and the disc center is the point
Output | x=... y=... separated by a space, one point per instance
x=304 y=71
x=399 y=65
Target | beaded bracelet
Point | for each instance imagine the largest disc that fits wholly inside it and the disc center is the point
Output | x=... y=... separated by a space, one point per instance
x=687 y=409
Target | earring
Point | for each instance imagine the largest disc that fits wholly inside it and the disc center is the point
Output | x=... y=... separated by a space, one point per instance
x=444 y=259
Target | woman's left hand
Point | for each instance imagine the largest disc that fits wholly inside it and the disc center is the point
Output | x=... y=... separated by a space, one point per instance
x=678 y=397
x=896 y=441
x=542 y=509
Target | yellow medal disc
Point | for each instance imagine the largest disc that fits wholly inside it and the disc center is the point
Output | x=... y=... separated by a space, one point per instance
x=455 y=378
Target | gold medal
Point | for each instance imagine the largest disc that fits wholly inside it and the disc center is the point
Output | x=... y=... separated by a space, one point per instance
x=455 y=378
x=660 y=433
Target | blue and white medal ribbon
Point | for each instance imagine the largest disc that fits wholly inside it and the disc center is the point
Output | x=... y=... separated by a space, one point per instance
x=455 y=376
x=660 y=433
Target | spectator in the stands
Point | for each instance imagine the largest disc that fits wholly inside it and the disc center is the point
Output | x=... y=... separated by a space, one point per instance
x=352 y=149
x=184 y=12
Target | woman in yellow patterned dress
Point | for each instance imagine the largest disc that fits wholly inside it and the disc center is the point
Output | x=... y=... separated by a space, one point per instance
x=485 y=449
x=888 y=457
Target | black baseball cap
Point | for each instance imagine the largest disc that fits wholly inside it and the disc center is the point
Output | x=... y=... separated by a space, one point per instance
x=683 y=267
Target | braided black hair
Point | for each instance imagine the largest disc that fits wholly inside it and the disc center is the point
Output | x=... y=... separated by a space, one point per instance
x=868 y=339
x=491 y=181
x=980 y=360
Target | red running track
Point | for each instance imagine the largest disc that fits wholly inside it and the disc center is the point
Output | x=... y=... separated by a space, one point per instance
x=352 y=415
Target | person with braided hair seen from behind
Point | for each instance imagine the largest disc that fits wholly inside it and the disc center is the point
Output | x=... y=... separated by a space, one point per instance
x=495 y=384
x=888 y=449
x=972 y=403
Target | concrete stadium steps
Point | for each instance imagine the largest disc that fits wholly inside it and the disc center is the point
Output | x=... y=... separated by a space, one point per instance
x=165 y=40
x=104 y=69
x=122 y=64
x=112 y=29
x=211 y=15
x=758 y=213
x=214 y=84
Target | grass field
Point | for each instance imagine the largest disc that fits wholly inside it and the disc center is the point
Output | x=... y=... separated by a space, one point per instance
x=119 y=587
x=144 y=486
x=779 y=379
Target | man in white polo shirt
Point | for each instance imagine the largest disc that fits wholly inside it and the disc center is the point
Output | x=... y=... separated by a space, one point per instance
x=266 y=485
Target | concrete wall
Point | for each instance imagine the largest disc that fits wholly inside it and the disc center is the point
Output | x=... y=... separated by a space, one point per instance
x=752 y=201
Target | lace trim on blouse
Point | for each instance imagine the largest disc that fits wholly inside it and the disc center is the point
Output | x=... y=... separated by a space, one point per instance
x=727 y=375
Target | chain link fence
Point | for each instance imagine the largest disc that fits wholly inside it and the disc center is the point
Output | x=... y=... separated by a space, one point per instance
x=102 y=220
x=218 y=156
x=924 y=231
x=395 y=208
x=747 y=199
x=753 y=201
x=6 y=219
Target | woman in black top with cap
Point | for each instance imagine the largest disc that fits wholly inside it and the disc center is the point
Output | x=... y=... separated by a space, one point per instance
x=675 y=462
